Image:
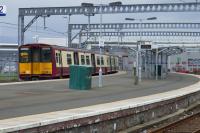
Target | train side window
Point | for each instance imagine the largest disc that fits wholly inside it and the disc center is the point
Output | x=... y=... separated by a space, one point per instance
x=57 y=58
x=69 y=59
x=60 y=59
x=82 y=60
x=87 y=60
x=102 y=61
x=98 y=60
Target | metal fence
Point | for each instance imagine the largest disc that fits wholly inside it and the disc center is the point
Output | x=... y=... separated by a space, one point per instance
x=8 y=70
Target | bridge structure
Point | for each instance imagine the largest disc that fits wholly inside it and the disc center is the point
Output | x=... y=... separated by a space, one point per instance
x=105 y=9
x=136 y=30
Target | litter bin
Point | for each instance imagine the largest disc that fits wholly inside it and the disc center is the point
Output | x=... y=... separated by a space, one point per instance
x=80 y=77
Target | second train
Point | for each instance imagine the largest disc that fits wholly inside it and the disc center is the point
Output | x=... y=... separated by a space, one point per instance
x=45 y=61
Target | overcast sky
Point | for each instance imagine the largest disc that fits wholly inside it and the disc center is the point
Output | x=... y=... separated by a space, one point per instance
x=8 y=33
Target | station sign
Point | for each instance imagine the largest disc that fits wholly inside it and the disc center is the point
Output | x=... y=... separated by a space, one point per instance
x=101 y=43
x=2 y=10
x=145 y=47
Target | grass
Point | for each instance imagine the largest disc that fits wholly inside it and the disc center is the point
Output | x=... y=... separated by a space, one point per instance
x=8 y=77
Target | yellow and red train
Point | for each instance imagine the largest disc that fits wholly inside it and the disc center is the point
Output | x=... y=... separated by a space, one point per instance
x=44 y=61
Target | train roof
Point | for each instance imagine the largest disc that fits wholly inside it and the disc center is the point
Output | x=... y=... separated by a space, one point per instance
x=62 y=47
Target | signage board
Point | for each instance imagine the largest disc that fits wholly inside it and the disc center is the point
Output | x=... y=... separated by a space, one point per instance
x=145 y=47
x=2 y=10
x=101 y=43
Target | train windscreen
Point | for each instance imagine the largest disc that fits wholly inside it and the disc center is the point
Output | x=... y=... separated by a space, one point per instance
x=46 y=54
x=25 y=55
x=35 y=55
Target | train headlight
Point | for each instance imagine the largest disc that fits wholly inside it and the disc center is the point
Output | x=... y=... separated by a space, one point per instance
x=27 y=72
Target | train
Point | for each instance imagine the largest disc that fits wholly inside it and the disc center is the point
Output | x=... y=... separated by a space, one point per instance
x=46 y=61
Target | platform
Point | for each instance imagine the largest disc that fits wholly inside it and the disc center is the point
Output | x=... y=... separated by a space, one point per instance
x=19 y=99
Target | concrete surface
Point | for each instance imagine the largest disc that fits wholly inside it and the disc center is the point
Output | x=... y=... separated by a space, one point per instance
x=42 y=97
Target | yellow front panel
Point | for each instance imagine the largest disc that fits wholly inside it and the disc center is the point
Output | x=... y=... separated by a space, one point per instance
x=46 y=68
x=25 y=68
x=36 y=68
x=42 y=68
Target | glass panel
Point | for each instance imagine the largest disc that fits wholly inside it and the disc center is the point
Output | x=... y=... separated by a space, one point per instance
x=98 y=60
x=46 y=55
x=24 y=55
x=36 y=55
x=87 y=60
x=69 y=59
x=82 y=59
x=102 y=61
x=58 y=58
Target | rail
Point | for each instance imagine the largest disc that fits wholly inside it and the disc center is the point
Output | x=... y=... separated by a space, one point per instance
x=188 y=124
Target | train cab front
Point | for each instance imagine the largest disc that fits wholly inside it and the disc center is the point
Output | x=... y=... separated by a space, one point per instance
x=25 y=65
x=35 y=62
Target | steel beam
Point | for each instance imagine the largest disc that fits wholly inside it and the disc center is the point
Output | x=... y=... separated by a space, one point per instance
x=134 y=8
x=183 y=43
x=69 y=35
x=20 y=30
x=147 y=33
x=30 y=23
x=109 y=9
x=137 y=26
x=135 y=43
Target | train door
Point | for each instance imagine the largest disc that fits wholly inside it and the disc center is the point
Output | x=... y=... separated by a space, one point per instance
x=61 y=64
x=111 y=69
x=93 y=62
x=76 y=62
x=25 y=64
x=114 y=63
x=58 y=63
x=35 y=52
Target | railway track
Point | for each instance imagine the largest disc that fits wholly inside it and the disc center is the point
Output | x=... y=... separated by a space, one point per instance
x=188 y=124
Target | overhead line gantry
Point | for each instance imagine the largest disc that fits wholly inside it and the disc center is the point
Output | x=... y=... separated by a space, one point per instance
x=79 y=10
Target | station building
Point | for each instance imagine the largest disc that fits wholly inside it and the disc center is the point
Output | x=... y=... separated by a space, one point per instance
x=188 y=61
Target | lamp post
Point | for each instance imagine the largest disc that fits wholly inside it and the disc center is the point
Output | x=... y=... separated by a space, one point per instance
x=100 y=48
x=138 y=58
x=89 y=5
x=89 y=13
